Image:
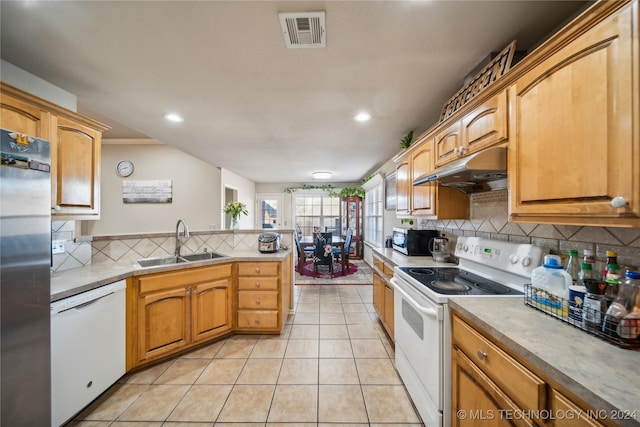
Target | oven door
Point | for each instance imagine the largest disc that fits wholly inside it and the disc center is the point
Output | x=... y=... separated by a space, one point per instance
x=419 y=335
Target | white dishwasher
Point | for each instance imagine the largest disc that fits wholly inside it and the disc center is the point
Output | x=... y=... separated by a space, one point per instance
x=87 y=348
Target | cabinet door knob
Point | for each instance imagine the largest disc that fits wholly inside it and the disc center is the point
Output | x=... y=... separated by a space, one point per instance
x=57 y=208
x=481 y=354
x=257 y=284
x=257 y=301
x=257 y=269
x=257 y=320
x=618 y=202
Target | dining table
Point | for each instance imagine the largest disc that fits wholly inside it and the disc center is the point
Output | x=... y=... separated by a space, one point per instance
x=307 y=241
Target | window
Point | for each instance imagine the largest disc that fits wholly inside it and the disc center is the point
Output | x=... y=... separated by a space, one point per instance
x=317 y=212
x=373 y=211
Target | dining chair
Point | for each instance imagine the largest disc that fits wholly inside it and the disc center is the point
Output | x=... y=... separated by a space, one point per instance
x=337 y=252
x=322 y=252
x=303 y=254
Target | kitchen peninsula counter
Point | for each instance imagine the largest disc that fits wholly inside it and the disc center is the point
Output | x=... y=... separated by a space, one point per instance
x=71 y=282
x=602 y=375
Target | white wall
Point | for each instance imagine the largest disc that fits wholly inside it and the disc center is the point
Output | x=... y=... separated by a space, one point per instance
x=17 y=77
x=196 y=191
x=246 y=194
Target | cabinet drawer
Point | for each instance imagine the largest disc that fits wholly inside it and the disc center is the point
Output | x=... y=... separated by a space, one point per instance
x=257 y=299
x=378 y=263
x=388 y=270
x=526 y=389
x=252 y=319
x=258 y=283
x=562 y=405
x=258 y=269
x=178 y=278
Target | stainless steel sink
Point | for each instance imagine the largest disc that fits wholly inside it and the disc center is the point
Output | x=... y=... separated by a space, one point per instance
x=202 y=256
x=154 y=262
x=168 y=260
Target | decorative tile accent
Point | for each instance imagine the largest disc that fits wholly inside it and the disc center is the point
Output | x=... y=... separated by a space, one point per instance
x=626 y=236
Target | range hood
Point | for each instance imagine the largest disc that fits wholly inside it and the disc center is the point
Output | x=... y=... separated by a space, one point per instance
x=485 y=170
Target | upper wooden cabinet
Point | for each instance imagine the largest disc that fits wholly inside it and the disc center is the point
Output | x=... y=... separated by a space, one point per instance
x=423 y=196
x=75 y=150
x=483 y=126
x=577 y=134
x=77 y=166
x=20 y=116
x=427 y=200
x=403 y=187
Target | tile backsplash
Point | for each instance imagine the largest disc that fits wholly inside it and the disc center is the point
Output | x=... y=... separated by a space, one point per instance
x=112 y=249
x=489 y=219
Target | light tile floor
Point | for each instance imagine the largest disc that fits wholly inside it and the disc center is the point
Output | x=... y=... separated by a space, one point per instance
x=331 y=366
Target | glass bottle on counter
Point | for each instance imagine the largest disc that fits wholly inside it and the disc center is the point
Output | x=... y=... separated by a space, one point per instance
x=573 y=266
x=623 y=316
x=590 y=258
x=612 y=258
x=593 y=308
x=585 y=273
x=612 y=279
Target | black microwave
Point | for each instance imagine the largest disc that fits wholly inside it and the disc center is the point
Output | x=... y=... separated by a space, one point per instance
x=413 y=242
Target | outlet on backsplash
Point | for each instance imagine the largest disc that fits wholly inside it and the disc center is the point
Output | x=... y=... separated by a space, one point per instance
x=58 y=246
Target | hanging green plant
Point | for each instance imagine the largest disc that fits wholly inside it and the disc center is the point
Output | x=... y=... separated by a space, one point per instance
x=330 y=190
x=407 y=140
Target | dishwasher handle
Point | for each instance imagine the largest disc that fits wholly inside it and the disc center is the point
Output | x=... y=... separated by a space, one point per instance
x=86 y=304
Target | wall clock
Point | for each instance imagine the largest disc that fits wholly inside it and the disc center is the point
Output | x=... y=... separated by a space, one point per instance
x=124 y=168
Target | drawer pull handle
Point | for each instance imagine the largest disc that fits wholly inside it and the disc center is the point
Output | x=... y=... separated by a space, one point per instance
x=481 y=355
x=257 y=301
x=257 y=284
x=257 y=320
x=257 y=269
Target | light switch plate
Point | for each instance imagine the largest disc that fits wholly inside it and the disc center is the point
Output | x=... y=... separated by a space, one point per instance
x=58 y=246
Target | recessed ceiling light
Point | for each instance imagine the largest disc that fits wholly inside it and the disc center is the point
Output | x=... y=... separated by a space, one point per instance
x=362 y=117
x=172 y=117
x=322 y=175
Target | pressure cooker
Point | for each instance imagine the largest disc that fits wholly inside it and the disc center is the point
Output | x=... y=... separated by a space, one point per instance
x=269 y=242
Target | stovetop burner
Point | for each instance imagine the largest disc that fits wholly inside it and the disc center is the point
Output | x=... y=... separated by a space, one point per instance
x=449 y=286
x=454 y=281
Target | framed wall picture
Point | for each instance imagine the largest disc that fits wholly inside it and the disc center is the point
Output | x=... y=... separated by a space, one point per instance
x=390 y=192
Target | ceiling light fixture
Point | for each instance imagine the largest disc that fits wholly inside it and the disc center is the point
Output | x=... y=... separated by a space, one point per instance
x=172 y=117
x=362 y=117
x=322 y=175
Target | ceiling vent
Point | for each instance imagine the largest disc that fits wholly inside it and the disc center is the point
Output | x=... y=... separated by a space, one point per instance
x=303 y=30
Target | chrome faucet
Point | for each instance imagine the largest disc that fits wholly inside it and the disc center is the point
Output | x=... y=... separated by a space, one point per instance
x=185 y=234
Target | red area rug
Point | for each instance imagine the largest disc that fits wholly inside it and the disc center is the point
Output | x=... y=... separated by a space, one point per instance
x=323 y=270
x=358 y=273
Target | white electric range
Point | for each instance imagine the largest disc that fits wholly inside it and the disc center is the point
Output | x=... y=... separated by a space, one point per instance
x=487 y=268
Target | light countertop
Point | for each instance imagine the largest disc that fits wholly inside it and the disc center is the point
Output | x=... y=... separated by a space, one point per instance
x=72 y=282
x=401 y=260
x=603 y=375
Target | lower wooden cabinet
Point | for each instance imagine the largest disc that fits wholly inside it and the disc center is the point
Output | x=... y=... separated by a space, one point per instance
x=479 y=398
x=259 y=302
x=491 y=388
x=383 y=293
x=167 y=312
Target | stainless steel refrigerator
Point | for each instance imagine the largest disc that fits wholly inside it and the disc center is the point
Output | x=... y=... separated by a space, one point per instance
x=25 y=260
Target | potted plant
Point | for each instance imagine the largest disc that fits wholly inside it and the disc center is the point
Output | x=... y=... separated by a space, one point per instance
x=407 y=140
x=235 y=209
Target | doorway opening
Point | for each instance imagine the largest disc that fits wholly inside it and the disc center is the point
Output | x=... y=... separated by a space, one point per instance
x=230 y=195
